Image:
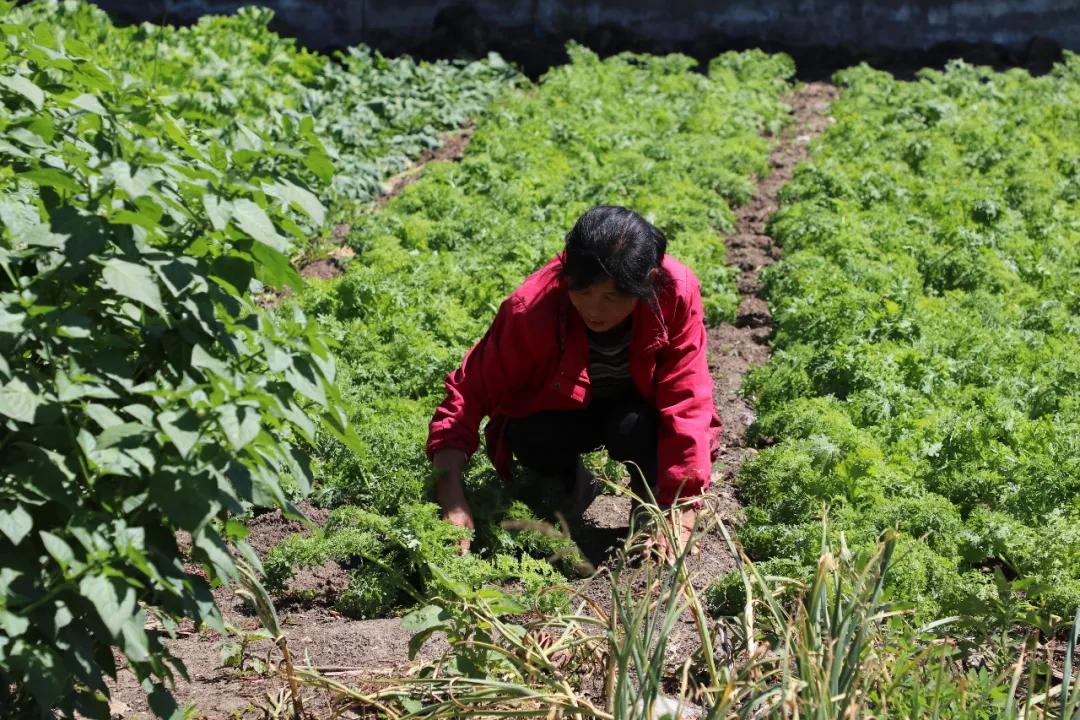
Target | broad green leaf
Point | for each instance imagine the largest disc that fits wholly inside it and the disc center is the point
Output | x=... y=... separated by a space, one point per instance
x=416 y=642
x=162 y=703
x=424 y=618
x=135 y=641
x=142 y=455
x=11 y=323
x=319 y=163
x=51 y=177
x=28 y=138
x=300 y=469
x=102 y=415
x=136 y=184
x=181 y=275
x=18 y=212
x=306 y=383
x=300 y=419
x=18 y=401
x=499 y=602
x=218 y=210
x=15 y=151
x=423 y=623
x=23 y=86
x=133 y=281
x=7 y=576
x=140 y=412
x=113 y=599
x=240 y=423
x=16 y=523
x=117 y=433
x=177 y=135
x=13 y=625
x=254 y=221
x=234 y=271
x=182 y=428
x=46 y=675
x=411 y=705
x=42 y=236
x=90 y=103
x=58 y=548
x=216 y=552
x=62 y=617
x=274 y=269
x=68 y=389
x=202 y=359
x=299 y=198
x=72 y=325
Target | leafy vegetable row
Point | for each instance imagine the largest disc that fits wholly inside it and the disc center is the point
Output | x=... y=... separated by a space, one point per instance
x=234 y=75
x=433 y=265
x=927 y=360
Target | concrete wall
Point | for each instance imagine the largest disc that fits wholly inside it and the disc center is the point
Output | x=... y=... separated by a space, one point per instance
x=860 y=26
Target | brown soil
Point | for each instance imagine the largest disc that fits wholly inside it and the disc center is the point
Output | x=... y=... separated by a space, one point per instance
x=451 y=149
x=351 y=651
x=736 y=348
x=357 y=652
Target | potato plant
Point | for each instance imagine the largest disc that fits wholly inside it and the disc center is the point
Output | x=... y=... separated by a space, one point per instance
x=142 y=392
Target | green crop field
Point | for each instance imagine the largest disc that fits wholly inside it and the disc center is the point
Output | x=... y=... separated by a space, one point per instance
x=926 y=373
x=908 y=541
x=436 y=262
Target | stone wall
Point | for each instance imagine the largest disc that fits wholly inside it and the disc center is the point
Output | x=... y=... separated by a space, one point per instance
x=533 y=31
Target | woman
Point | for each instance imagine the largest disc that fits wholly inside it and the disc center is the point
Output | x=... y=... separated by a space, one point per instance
x=603 y=346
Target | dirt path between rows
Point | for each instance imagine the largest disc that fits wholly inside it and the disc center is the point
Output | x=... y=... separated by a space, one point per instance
x=356 y=651
x=735 y=349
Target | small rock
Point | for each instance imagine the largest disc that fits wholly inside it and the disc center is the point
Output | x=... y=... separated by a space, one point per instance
x=669 y=708
x=119 y=709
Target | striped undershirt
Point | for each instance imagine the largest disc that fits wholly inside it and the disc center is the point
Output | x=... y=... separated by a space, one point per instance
x=609 y=361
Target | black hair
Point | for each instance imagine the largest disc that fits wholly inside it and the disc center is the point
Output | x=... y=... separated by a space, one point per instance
x=610 y=241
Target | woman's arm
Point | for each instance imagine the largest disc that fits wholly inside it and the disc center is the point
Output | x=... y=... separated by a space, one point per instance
x=450 y=490
x=497 y=362
x=684 y=399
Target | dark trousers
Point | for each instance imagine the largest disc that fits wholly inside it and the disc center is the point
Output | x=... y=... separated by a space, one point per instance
x=551 y=442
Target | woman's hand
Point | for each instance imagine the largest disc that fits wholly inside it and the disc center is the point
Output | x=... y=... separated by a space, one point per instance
x=450 y=491
x=681 y=522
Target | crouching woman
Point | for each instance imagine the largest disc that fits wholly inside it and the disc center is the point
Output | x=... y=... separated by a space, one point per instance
x=604 y=346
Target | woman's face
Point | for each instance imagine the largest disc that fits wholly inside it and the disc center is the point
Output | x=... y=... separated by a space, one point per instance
x=601 y=306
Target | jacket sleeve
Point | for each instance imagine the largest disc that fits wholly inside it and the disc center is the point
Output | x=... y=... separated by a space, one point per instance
x=684 y=399
x=493 y=365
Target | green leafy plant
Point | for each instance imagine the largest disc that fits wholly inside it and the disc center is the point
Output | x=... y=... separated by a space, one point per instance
x=373 y=115
x=925 y=374
x=142 y=392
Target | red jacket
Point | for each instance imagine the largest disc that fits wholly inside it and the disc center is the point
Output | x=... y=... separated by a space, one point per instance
x=535 y=357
